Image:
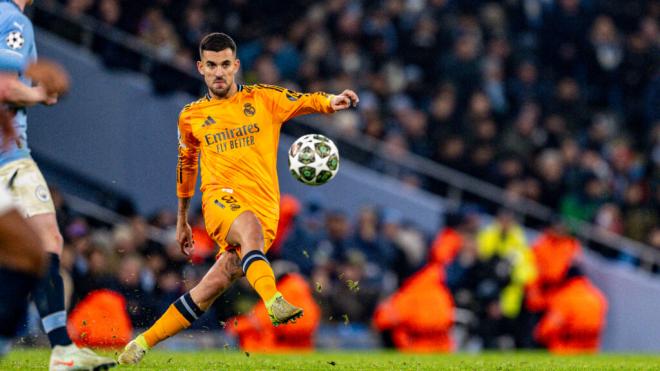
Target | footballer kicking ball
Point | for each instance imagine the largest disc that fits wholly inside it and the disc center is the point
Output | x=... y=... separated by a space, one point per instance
x=313 y=159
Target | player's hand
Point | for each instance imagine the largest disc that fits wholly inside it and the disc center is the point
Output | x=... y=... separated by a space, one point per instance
x=6 y=128
x=50 y=100
x=51 y=76
x=345 y=100
x=184 y=238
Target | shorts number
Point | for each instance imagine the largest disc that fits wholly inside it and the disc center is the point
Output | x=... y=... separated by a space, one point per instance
x=229 y=199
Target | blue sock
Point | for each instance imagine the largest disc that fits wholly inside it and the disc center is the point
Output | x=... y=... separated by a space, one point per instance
x=49 y=298
x=14 y=290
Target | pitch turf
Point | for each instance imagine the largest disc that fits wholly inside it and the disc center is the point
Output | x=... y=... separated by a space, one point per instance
x=27 y=359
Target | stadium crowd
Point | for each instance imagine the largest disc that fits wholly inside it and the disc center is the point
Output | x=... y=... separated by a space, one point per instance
x=377 y=269
x=556 y=101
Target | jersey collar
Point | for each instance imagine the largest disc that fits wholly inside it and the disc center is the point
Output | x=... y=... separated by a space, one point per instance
x=239 y=88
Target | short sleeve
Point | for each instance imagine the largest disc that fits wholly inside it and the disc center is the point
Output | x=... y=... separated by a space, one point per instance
x=16 y=43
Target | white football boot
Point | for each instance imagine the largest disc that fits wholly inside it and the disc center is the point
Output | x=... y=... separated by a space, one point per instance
x=70 y=357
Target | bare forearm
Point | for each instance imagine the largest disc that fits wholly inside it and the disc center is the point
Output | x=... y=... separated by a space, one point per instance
x=184 y=205
x=18 y=94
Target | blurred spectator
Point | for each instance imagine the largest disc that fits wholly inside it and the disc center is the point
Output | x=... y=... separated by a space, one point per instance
x=525 y=136
x=254 y=330
x=354 y=290
x=502 y=245
x=450 y=240
x=159 y=33
x=195 y=26
x=410 y=245
x=554 y=252
x=100 y=320
x=367 y=239
x=550 y=169
x=575 y=316
x=298 y=245
x=289 y=209
x=406 y=325
x=604 y=59
x=132 y=285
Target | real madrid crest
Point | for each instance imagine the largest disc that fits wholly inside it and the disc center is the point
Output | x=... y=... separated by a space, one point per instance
x=249 y=110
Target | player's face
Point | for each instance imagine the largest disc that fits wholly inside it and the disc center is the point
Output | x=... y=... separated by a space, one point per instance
x=218 y=69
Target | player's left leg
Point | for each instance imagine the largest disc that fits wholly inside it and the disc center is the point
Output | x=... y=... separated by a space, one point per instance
x=185 y=310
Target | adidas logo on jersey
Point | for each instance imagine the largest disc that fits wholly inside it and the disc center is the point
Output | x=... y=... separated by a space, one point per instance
x=208 y=122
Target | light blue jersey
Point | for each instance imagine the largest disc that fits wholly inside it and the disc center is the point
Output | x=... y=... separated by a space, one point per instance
x=17 y=50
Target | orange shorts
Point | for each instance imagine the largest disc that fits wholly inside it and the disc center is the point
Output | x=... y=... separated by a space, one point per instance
x=221 y=207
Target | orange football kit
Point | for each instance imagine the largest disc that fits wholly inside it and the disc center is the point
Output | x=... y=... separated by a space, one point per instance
x=237 y=139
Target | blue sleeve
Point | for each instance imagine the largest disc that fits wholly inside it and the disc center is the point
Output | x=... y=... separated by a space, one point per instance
x=16 y=42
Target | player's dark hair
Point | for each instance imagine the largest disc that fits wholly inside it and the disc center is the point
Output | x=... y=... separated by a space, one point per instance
x=216 y=42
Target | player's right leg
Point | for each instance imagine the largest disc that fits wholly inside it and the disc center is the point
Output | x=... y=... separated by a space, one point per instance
x=30 y=193
x=22 y=263
x=187 y=308
x=247 y=232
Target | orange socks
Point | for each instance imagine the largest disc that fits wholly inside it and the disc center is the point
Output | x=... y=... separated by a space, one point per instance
x=178 y=317
x=184 y=311
x=260 y=275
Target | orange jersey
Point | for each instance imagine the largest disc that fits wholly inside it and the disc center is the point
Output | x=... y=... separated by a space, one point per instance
x=238 y=138
x=574 y=319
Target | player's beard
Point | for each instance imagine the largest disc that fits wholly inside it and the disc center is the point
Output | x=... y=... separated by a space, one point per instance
x=220 y=93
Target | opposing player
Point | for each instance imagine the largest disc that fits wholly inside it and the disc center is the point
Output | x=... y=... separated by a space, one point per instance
x=22 y=261
x=20 y=175
x=236 y=129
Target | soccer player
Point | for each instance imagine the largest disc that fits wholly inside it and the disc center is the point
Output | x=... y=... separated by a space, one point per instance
x=22 y=261
x=20 y=175
x=236 y=130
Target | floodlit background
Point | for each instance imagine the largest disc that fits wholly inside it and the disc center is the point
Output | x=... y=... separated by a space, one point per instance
x=473 y=115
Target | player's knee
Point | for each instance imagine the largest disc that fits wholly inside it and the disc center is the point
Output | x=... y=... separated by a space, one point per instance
x=46 y=227
x=232 y=266
x=53 y=241
x=251 y=237
x=34 y=253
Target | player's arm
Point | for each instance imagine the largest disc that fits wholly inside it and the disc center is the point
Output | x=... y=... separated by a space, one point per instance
x=186 y=179
x=183 y=229
x=15 y=39
x=51 y=79
x=288 y=104
x=17 y=94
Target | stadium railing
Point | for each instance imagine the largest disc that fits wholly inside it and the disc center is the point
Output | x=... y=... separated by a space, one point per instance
x=459 y=188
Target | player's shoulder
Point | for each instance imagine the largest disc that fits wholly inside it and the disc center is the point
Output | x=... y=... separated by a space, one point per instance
x=264 y=88
x=192 y=106
x=267 y=87
x=11 y=17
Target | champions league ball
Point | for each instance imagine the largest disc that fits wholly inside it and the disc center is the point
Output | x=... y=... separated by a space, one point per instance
x=313 y=159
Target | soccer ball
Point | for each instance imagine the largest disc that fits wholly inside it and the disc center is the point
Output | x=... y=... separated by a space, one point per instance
x=313 y=159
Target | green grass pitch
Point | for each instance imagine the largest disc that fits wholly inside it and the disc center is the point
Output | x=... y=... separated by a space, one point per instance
x=37 y=359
